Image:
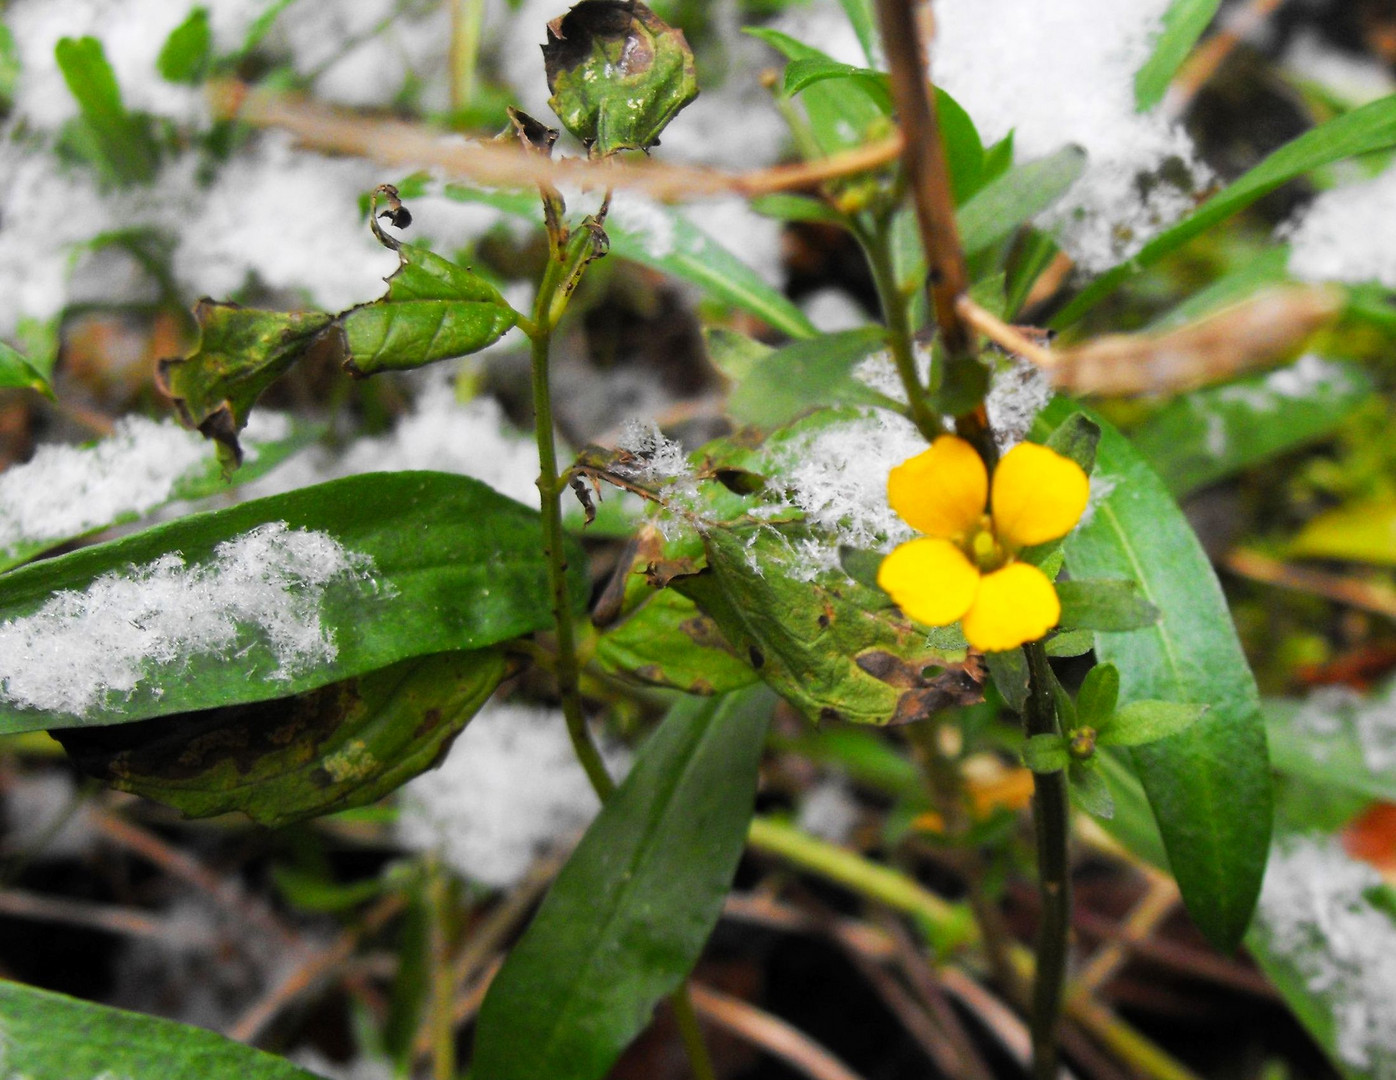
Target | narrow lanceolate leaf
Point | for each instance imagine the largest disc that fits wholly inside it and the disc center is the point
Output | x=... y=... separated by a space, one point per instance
x=836 y=651
x=52 y=1037
x=1362 y=131
x=1209 y=786
x=1142 y=722
x=270 y=598
x=1015 y=198
x=631 y=910
x=664 y=238
x=17 y=372
x=1216 y=432
x=1183 y=24
x=241 y=352
x=1100 y=690
x=806 y=375
x=119 y=142
x=344 y=745
x=433 y=310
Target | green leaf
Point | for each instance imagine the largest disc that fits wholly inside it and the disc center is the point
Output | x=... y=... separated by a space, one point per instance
x=1046 y=754
x=28 y=528
x=433 y=310
x=1362 y=532
x=1142 y=722
x=1070 y=643
x=1183 y=24
x=1018 y=196
x=1077 y=438
x=123 y=143
x=187 y=51
x=786 y=207
x=1090 y=790
x=1210 y=786
x=1114 y=606
x=1133 y=823
x=629 y=914
x=860 y=17
x=455 y=565
x=52 y=1037
x=1100 y=690
x=1256 y=269
x=665 y=239
x=964 y=150
x=842 y=113
x=1362 y=131
x=668 y=642
x=307 y=891
x=833 y=651
x=617 y=74
x=10 y=66
x=1009 y=670
x=341 y=746
x=1215 y=432
x=241 y=352
x=734 y=354
x=803 y=376
x=17 y=372
x=809 y=70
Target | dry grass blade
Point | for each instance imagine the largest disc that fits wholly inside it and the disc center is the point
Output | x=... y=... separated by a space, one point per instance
x=1369 y=596
x=412 y=146
x=20 y=904
x=1256 y=333
x=770 y=1033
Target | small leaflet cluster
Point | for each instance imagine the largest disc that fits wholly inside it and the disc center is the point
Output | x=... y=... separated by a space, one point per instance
x=1317 y=912
x=80 y=648
x=510 y=791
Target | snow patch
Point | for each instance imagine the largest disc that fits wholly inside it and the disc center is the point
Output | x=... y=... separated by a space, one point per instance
x=1316 y=912
x=82 y=648
x=1019 y=391
x=1339 y=236
x=510 y=790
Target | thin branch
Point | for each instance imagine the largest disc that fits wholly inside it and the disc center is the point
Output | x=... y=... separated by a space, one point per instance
x=412 y=146
x=114 y=919
x=1158 y=900
x=1378 y=598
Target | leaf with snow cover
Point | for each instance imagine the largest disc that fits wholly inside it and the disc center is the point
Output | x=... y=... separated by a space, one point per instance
x=17 y=372
x=664 y=238
x=630 y=912
x=1212 y=433
x=344 y=745
x=48 y=1036
x=241 y=352
x=834 y=651
x=66 y=492
x=1366 y=130
x=1016 y=197
x=433 y=310
x=1325 y=936
x=1337 y=738
x=1210 y=785
x=270 y=598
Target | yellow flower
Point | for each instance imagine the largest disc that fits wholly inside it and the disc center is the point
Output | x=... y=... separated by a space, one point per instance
x=965 y=568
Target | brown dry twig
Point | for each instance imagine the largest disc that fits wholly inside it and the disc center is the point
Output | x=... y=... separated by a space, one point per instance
x=412 y=146
x=770 y=1033
x=1368 y=596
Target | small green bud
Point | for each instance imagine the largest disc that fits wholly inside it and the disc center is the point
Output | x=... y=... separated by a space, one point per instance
x=618 y=74
x=1081 y=744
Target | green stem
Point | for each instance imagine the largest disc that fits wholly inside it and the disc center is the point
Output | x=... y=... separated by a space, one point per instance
x=899 y=335
x=550 y=489
x=467 y=18
x=699 y=1060
x=1050 y=824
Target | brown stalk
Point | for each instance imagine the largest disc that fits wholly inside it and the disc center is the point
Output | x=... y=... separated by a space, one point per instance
x=1368 y=596
x=770 y=1033
x=412 y=146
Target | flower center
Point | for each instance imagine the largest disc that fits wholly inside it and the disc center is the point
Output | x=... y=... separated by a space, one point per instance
x=983 y=548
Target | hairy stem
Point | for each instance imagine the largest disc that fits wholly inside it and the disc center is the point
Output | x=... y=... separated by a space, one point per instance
x=1050 y=824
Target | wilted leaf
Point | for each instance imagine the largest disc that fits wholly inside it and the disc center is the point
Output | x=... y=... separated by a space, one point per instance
x=834 y=651
x=669 y=642
x=280 y=761
x=241 y=352
x=433 y=310
x=618 y=74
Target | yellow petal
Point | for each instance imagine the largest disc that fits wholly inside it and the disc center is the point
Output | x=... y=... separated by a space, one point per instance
x=931 y=580
x=1014 y=605
x=941 y=491
x=1038 y=496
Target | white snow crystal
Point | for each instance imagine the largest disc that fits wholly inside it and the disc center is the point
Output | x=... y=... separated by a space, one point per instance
x=66 y=491
x=79 y=648
x=1316 y=914
x=1063 y=73
x=510 y=790
x=1019 y=391
x=1340 y=235
x=829 y=811
x=646 y=219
